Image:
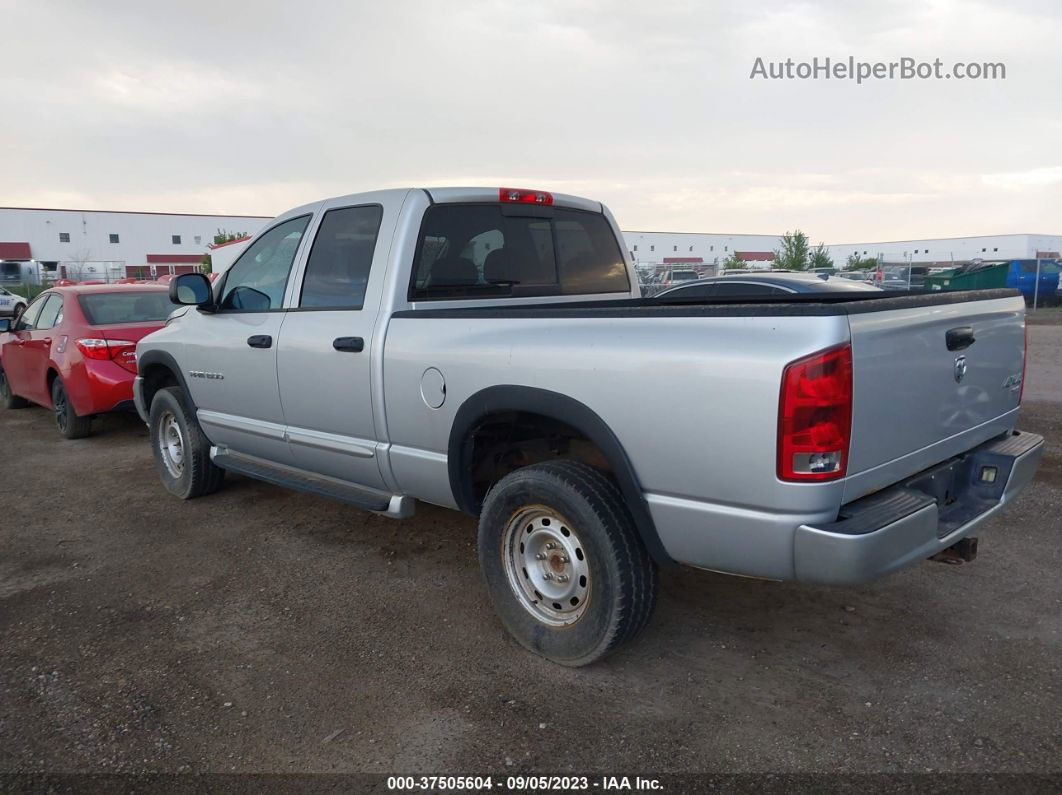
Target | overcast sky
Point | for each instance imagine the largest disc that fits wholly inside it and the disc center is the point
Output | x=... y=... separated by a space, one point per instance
x=255 y=107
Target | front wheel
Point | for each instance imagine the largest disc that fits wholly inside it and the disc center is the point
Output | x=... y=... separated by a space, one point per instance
x=564 y=566
x=69 y=423
x=182 y=451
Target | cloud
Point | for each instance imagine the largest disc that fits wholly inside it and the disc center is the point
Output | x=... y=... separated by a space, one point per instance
x=171 y=88
x=1023 y=180
x=255 y=107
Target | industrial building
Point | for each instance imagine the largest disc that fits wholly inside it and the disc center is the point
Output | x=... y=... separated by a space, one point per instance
x=664 y=250
x=106 y=245
x=953 y=250
x=693 y=249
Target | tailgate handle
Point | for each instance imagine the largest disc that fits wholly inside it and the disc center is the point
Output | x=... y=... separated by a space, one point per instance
x=959 y=339
x=349 y=344
x=260 y=341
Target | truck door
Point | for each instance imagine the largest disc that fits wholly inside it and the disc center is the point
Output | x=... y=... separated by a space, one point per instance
x=230 y=356
x=323 y=362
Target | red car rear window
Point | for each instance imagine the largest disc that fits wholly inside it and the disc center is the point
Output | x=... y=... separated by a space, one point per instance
x=103 y=309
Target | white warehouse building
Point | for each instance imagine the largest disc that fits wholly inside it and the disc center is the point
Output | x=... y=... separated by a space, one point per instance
x=107 y=245
x=697 y=249
x=947 y=250
x=104 y=245
x=668 y=250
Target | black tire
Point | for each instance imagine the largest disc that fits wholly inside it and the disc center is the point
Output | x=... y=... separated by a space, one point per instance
x=196 y=475
x=7 y=398
x=70 y=424
x=621 y=577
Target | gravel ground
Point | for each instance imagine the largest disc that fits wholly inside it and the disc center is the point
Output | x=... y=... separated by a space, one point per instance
x=263 y=630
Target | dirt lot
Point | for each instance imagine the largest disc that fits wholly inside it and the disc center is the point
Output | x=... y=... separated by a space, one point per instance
x=262 y=630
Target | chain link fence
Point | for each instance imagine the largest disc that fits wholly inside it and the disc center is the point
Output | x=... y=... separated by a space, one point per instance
x=654 y=278
x=25 y=279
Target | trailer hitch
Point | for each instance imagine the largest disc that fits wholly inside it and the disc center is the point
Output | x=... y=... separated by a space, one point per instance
x=962 y=551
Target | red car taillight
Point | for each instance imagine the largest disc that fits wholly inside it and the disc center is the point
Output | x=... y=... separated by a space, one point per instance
x=121 y=352
x=815 y=416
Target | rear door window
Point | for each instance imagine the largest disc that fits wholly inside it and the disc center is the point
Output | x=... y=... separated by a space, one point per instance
x=481 y=251
x=51 y=313
x=338 y=268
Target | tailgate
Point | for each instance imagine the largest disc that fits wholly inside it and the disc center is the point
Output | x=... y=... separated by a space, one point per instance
x=931 y=382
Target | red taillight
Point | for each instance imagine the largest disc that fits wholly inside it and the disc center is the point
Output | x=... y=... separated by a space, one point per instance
x=1024 y=357
x=522 y=196
x=121 y=352
x=815 y=416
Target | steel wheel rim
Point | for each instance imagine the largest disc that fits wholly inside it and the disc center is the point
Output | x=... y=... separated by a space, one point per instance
x=60 y=408
x=546 y=566
x=171 y=444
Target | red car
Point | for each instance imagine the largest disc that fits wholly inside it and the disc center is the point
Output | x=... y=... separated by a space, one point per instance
x=74 y=350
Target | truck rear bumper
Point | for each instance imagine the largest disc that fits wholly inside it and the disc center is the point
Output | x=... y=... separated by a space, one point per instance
x=914 y=520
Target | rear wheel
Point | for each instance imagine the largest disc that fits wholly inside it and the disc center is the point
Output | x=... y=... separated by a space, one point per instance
x=69 y=422
x=564 y=566
x=10 y=400
x=182 y=451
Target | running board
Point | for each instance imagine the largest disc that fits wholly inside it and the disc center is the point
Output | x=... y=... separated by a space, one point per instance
x=395 y=506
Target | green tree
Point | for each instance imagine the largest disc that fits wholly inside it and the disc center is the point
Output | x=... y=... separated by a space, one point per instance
x=221 y=237
x=793 y=255
x=734 y=262
x=857 y=263
x=820 y=257
x=224 y=236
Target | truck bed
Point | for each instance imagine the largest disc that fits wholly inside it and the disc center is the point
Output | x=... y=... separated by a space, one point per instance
x=691 y=392
x=824 y=304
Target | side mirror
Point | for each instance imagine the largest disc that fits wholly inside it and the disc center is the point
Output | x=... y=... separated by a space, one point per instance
x=192 y=289
x=5 y=324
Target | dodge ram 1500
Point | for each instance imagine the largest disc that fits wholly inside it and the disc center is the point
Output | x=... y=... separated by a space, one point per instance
x=488 y=350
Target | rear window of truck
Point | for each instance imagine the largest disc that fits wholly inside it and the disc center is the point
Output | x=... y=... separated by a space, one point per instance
x=103 y=309
x=485 y=251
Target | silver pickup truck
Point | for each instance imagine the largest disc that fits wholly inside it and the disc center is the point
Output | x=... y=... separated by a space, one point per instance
x=488 y=350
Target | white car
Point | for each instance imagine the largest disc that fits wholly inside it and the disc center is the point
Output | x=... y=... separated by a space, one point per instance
x=11 y=303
